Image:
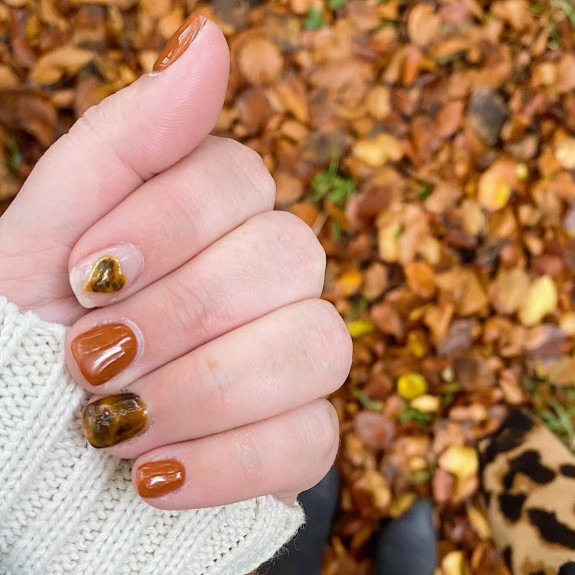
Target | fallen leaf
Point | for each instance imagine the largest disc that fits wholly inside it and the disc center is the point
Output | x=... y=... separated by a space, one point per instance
x=379 y=150
x=472 y=372
x=540 y=301
x=453 y=563
x=510 y=290
x=422 y=24
x=426 y=403
x=411 y=385
x=65 y=60
x=374 y=429
x=496 y=185
x=420 y=279
x=388 y=320
x=486 y=114
x=259 y=61
x=565 y=153
x=460 y=461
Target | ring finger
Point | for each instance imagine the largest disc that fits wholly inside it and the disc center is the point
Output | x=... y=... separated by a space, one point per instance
x=272 y=260
x=281 y=361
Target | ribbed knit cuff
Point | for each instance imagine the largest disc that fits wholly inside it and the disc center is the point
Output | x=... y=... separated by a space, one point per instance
x=66 y=508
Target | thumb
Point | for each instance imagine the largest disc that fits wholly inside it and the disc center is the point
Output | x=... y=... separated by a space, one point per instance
x=116 y=146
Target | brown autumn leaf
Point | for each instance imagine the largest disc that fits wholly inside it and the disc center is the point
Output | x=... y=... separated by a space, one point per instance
x=289 y=189
x=50 y=68
x=420 y=278
x=38 y=116
x=457 y=89
x=472 y=372
x=259 y=60
x=374 y=429
x=497 y=184
x=388 y=320
x=509 y=290
x=253 y=110
x=423 y=24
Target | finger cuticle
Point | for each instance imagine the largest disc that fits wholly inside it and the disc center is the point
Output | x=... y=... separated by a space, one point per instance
x=159 y=478
x=105 y=351
x=114 y=419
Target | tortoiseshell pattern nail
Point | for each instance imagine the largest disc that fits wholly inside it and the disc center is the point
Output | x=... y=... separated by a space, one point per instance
x=114 y=419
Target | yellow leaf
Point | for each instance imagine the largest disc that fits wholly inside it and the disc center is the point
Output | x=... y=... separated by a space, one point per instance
x=496 y=184
x=411 y=385
x=426 y=403
x=378 y=151
x=360 y=327
x=567 y=323
x=478 y=523
x=565 y=153
x=376 y=485
x=417 y=344
x=460 y=461
x=453 y=563
x=401 y=504
x=541 y=300
x=388 y=242
x=349 y=282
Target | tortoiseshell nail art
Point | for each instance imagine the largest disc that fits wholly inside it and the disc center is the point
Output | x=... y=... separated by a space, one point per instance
x=114 y=419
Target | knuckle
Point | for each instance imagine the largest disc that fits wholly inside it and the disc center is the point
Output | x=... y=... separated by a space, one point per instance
x=328 y=337
x=209 y=395
x=188 y=312
x=249 y=458
x=323 y=435
x=87 y=133
x=300 y=248
x=252 y=165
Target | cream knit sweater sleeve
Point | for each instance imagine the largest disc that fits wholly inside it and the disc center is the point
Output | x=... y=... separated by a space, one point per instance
x=66 y=508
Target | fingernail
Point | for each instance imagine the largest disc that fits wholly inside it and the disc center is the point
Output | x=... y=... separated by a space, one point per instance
x=159 y=478
x=114 y=419
x=104 y=351
x=179 y=42
x=105 y=276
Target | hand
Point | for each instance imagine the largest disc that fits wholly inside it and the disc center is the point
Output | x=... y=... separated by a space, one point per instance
x=194 y=307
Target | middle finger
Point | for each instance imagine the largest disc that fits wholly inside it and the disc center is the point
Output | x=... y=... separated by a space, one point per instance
x=272 y=260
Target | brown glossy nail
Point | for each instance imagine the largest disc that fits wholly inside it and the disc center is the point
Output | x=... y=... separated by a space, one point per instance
x=114 y=419
x=159 y=478
x=179 y=42
x=106 y=276
x=104 y=351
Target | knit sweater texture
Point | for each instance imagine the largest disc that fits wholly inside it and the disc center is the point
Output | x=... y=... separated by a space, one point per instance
x=66 y=508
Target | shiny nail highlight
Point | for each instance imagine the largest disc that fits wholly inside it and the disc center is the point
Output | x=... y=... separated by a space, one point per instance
x=114 y=419
x=159 y=478
x=179 y=42
x=104 y=351
x=106 y=276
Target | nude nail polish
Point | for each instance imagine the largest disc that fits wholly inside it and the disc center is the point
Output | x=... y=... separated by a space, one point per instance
x=179 y=42
x=104 y=351
x=158 y=478
x=106 y=275
x=114 y=419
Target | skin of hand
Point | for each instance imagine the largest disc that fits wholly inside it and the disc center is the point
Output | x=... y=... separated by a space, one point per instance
x=194 y=307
